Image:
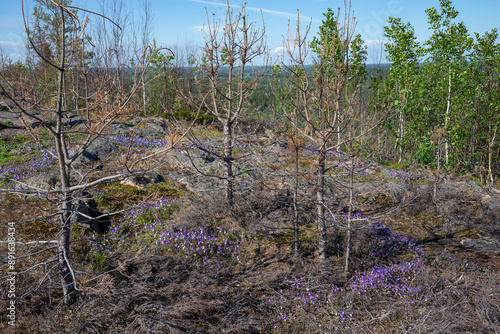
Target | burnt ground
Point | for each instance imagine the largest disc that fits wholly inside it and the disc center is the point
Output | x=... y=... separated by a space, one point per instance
x=140 y=288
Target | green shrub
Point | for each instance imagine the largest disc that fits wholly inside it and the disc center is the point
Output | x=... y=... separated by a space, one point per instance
x=114 y=196
x=425 y=154
x=189 y=116
x=6 y=124
x=7 y=145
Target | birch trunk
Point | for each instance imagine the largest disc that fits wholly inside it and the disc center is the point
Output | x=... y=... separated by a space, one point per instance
x=228 y=163
x=349 y=219
x=320 y=209
x=447 y=117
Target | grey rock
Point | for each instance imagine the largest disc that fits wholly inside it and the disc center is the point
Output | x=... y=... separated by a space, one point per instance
x=254 y=174
x=119 y=129
x=485 y=244
x=208 y=157
x=7 y=106
x=44 y=181
x=186 y=158
x=136 y=120
x=72 y=119
x=198 y=183
x=141 y=180
x=150 y=127
x=141 y=127
x=245 y=187
x=96 y=152
x=101 y=148
x=277 y=146
x=157 y=127
x=5 y=115
x=86 y=161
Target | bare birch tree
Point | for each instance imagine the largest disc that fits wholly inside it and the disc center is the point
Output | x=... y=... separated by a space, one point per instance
x=102 y=106
x=230 y=49
x=326 y=94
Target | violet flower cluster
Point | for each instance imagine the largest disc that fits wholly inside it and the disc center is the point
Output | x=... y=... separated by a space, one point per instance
x=302 y=297
x=246 y=146
x=38 y=164
x=194 y=247
x=386 y=244
x=201 y=247
x=324 y=305
x=207 y=145
x=395 y=279
x=401 y=175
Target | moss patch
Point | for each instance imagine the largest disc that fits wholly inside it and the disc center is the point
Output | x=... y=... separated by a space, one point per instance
x=11 y=150
x=116 y=196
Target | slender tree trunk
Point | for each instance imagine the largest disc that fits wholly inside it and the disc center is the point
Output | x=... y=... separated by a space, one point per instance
x=378 y=143
x=320 y=209
x=144 y=106
x=228 y=162
x=86 y=93
x=400 y=135
x=76 y=89
x=361 y=114
x=168 y=106
x=439 y=151
x=447 y=117
x=339 y=139
x=67 y=275
x=349 y=219
x=490 y=152
x=296 y=252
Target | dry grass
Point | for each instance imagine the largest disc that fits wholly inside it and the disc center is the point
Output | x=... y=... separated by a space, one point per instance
x=142 y=288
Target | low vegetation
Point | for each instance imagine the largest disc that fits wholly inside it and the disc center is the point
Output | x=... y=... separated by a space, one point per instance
x=159 y=202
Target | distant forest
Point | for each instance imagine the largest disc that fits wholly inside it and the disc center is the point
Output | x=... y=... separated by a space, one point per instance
x=435 y=103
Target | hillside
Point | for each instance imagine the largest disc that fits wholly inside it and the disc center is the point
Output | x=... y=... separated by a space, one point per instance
x=178 y=259
x=221 y=188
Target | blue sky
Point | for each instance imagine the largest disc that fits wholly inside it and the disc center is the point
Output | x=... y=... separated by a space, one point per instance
x=178 y=22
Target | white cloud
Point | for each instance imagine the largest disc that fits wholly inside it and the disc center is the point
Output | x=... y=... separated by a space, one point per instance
x=198 y=28
x=279 y=50
x=288 y=15
x=213 y=3
x=16 y=56
x=10 y=44
x=375 y=42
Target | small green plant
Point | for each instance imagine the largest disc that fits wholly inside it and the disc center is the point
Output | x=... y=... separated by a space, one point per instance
x=97 y=257
x=394 y=165
x=189 y=116
x=425 y=153
x=237 y=150
x=10 y=150
x=45 y=136
x=165 y=190
x=20 y=138
x=115 y=196
x=6 y=124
